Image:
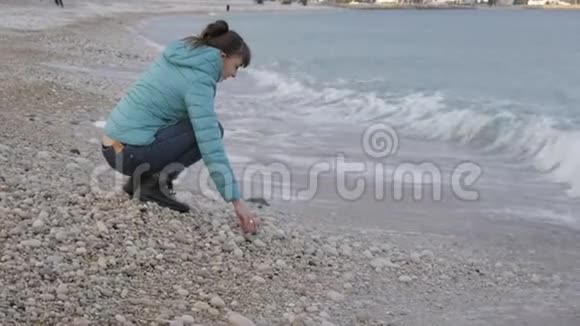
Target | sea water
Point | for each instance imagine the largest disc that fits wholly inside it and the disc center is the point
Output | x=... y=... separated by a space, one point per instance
x=479 y=110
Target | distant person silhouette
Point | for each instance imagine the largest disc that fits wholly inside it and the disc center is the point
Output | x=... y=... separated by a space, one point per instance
x=59 y=3
x=228 y=8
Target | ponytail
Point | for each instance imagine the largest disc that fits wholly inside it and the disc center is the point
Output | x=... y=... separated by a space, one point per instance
x=219 y=36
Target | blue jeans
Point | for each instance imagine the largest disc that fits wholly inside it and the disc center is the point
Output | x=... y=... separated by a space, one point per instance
x=174 y=149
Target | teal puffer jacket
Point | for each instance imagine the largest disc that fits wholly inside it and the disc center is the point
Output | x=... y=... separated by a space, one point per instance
x=181 y=84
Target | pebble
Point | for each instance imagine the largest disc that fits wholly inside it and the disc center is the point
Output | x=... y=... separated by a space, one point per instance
x=83 y=161
x=335 y=296
x=288 y=316
x=331 y=250
x=203 y=306
x=415 y=257
x=177 y=322
x=405 y=279
x=363 y=317
x=217 y=302
x=309 y=250
x=81 y=322
x=102 y=227
x=4 y=148
x=326 y=323
x=43 y=155
x=427 y=253
x=32 y=243
x=280 y=263
x=182 y=292
x=187 y=319
x=132 y=251
x=219 y=239
x=507 y=274
x=229 y=246
x=345 y=250
x=43 y=215
x=236 y=319
x=312 y=309
x=169 y=246
x=444 y=277
x=120 y=319
x=38 y=224
x=263 y=267
x=72 y=166
x=61 y=236
x=62 y=288
x=81 y=251
x=238 y=252
x=259 y=243
x=102 y=262
x=213 y=312
x=259 y=279
x=382 y=262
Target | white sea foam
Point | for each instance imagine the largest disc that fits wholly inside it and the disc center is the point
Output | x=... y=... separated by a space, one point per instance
x=535 y=138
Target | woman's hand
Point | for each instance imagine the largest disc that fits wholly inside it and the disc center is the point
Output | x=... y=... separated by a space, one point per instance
x=248 y=221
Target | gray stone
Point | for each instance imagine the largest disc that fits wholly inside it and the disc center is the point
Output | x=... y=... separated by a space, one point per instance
x=236 y=319
x=38 y=224
x=120 y=319
x=280 y=263
x=213 y=312
x=187 y=319
x=217 y=302
x=259 y=243
x=43 y=155
x=203 y=306
x=32 y=243
x=335 y=296
x=259 y=279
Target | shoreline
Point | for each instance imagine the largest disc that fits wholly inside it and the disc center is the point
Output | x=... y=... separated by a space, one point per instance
x=29 y=15
x=77 y=256
x=363 y=6
x=366 y=6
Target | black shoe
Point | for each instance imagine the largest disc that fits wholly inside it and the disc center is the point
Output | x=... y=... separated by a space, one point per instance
x=150 y=191
x=128 y=188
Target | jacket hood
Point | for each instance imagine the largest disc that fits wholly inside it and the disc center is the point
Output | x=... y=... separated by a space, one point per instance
x=204 y=58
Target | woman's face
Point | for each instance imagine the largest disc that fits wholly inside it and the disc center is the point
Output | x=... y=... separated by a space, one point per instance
x=231 y=65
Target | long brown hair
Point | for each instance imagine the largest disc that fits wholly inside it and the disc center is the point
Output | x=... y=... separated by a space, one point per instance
x=219 y=35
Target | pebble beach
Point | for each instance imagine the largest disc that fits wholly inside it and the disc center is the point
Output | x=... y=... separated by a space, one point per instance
x=75 y=250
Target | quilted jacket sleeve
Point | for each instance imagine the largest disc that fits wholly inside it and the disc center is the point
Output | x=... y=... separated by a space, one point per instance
x=200 y=106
